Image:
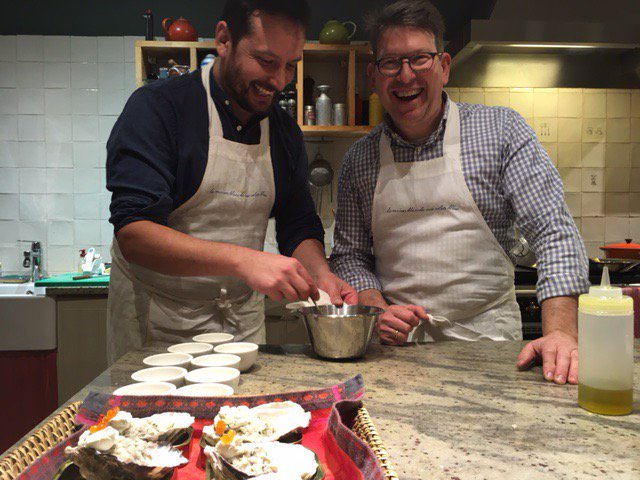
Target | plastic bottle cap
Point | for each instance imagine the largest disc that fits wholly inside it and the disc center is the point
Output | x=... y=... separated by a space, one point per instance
x=605 y=289
x=605 y=299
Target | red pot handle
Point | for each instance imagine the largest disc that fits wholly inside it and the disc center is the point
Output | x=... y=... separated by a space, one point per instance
x=165 y=28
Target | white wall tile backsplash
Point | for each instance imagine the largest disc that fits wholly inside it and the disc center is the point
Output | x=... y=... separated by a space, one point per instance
x=84 y=49
x=31 y=128
x=30 y=48
x=57 y=75
x=29 y=74
x=60 y=96
x=57 y=49
x=7 y=75
x=59 y=99
x=8 y=49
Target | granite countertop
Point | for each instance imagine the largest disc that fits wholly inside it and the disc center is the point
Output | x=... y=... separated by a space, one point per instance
x=76 y=291
x=454 y=410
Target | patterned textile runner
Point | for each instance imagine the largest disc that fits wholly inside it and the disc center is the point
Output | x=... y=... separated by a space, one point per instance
x=342 y=454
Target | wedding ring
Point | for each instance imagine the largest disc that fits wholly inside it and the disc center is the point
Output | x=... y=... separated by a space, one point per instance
x=395 y=334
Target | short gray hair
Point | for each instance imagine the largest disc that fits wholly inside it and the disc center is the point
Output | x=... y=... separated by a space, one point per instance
x=406 y=13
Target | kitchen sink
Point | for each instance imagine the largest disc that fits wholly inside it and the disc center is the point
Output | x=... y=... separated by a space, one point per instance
x=27 y=318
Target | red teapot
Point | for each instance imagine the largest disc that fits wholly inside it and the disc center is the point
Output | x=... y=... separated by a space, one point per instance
x=179 y=30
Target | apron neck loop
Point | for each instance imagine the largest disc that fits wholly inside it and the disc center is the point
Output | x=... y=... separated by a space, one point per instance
x=451 y=141
x=215 y=125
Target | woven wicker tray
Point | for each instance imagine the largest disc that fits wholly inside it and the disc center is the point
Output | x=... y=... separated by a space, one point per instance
x=62 y=425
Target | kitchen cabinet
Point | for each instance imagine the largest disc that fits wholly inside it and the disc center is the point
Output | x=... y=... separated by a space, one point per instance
x=82 y=341
x=341 y=66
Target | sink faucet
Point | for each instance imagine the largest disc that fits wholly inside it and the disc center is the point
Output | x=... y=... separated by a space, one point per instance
x=33 y=259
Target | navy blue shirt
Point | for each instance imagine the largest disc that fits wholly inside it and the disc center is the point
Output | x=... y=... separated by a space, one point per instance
x=157 y=155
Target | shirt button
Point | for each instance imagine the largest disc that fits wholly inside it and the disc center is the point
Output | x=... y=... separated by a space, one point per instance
x=226 y=102
x=239 y=127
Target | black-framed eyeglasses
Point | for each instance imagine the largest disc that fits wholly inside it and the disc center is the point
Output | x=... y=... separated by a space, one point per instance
x=419 y=63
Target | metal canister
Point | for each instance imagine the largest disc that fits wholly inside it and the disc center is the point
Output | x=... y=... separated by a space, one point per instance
x=309 y=115
x=324 y=107
x=339 y=114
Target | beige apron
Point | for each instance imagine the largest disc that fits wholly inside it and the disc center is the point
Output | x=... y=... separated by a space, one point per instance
x=232 y=205
x=433 y=247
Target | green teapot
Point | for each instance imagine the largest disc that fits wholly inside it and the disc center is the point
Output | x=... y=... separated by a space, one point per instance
x=336 y=32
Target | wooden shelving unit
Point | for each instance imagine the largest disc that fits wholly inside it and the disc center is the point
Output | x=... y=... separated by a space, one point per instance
x=151 y=55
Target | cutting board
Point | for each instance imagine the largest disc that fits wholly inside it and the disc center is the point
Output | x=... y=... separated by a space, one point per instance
x=66 y=280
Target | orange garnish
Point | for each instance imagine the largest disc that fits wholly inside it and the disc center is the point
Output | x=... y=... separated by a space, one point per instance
x=103 y=420
x=227 y=437
x=220 y=427
x=112 y=413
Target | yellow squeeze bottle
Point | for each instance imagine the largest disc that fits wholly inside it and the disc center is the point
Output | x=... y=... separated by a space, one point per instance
x=375 y=109
x=605 y=350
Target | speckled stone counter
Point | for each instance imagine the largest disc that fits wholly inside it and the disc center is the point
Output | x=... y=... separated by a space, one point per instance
x=455 y=410
x=76 y=291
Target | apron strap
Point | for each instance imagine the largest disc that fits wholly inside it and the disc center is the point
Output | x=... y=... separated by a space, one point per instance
x=451 y=144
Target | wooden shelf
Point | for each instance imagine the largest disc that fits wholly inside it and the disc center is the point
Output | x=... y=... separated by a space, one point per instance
x=336 y=131
x=150 y=55
x=348 y=56
x=190 y=53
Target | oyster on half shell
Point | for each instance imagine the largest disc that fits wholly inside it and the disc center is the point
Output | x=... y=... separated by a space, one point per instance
x=262 y=461
x=170 y=427
x=280 y=421
x=105 y=455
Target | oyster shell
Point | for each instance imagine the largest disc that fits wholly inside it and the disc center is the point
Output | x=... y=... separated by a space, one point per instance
x=263 y=461
x=264 y=423
x=105 y=455
x=170 y=427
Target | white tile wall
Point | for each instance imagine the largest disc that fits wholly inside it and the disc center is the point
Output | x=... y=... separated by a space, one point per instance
x=59 y=98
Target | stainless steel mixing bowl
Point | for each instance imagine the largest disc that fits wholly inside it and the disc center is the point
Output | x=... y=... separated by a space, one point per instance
x=340 y=333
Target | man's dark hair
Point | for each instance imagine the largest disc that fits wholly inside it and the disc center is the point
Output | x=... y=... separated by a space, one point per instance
x=237 y=13
x=406 y=13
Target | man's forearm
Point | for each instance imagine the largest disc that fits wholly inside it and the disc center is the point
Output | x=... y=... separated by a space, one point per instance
x=310 y=254
x=372 y=298
x=168 y=251
x=560 y=313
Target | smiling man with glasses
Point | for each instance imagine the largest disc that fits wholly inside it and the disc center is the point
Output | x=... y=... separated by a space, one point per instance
x=428 y=202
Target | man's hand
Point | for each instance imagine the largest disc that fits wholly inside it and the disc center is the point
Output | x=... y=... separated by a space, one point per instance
x=339 y=291
x=557 y=349
x=395 y=324
x=277 y=276
x=559 y=354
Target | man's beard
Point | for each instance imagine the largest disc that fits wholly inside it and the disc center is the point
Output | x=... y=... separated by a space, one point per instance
x=238 y=91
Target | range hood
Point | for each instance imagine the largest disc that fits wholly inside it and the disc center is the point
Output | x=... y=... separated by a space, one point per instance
x=578 y=28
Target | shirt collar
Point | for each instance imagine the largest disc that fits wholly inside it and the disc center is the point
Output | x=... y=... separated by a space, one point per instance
x=223 y=100
x=396 y=139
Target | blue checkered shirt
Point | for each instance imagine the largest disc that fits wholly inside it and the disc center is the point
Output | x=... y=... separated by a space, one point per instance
x=511 y=179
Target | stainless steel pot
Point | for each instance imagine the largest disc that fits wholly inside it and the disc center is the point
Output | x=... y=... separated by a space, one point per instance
x=340 y=333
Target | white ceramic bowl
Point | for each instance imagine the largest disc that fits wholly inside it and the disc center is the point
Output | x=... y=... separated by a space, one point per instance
x=248 y=353
x=173 y=375
x=214 y=338
x=204 y=390
x=146 y=388
x=169 y=360
x=194 y=349
x=216 y=360
x=227 y=375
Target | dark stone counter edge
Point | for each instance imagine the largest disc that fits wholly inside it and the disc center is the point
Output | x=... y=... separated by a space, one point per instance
x=76 y=291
